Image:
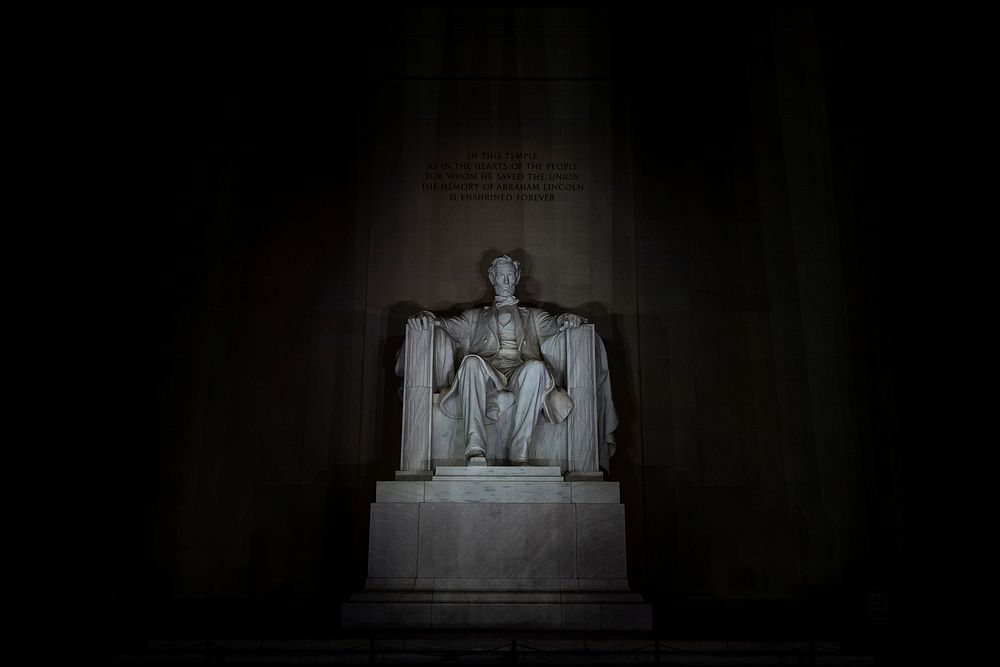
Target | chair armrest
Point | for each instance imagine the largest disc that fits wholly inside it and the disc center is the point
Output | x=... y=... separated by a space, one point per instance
x=569 y=354
x=418 y=394
x=427 y=362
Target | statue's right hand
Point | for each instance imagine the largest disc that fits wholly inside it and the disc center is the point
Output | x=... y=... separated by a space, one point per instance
x=422 y=321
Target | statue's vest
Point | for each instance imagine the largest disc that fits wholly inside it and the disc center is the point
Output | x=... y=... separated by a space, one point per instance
x=485 y=339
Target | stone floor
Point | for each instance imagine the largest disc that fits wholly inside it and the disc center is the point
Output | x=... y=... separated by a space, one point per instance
x=493 y=649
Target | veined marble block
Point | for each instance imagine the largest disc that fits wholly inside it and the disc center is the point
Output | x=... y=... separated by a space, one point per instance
x=392 y=540
x=594 y=492
x=577 y=476
x=600 y=541
x=497 y=491
x=497 y=539
x=496 y=584
x=399 y=492
x=499 y=471
x=486 y=478
x=474 y=548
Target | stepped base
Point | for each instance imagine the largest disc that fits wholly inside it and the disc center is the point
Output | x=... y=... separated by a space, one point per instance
x=496 y=611
x=496 y=547
x=514 y=472
x=450 y=603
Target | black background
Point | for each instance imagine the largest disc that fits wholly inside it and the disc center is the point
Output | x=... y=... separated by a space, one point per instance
x=184 y=145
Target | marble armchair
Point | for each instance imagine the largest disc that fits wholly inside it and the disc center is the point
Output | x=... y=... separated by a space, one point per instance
x=583 y=442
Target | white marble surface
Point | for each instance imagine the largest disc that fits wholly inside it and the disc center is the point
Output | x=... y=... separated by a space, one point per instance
x=399 y=492
x=499 y=471
x=491 y=478
x=473 y=552
x=392 y=540
x=494 y=597
x=497 y=584
x=489 y=584
x=581 y=385
x=595 y=492
x=579 y=476
x=517 y=540
x=497 y=492
x=600 y=541
x=500 y=539
x=573 y=356
x=475 y=489
x=418 y=394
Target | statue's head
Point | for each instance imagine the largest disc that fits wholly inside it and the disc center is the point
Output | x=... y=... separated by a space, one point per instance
x=504 y=275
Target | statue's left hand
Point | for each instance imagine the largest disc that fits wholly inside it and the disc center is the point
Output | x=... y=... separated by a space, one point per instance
x=571 y=320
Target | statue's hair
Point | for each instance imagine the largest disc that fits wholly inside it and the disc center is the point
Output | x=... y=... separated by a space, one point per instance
x=504 y=258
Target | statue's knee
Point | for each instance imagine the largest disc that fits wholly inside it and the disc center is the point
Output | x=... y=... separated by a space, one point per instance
x=532 y=376
x=534 y=366
x=472 y=364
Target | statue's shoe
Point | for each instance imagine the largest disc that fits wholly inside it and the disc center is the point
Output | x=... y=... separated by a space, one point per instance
x=475 y=455
x=519 y=462
x=474 y=448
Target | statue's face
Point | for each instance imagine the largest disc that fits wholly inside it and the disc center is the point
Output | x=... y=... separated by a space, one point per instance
x=505 y=280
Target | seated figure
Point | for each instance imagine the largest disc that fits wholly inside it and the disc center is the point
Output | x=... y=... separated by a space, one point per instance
x=501 y=362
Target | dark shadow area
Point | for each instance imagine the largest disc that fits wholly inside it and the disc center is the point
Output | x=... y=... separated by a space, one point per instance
x=216 y=396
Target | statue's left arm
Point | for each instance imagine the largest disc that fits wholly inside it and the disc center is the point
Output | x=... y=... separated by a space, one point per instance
x=567 y=320
x=548 y=326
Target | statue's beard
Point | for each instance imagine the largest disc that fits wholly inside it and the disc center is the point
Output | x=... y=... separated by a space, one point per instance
x=505 y=296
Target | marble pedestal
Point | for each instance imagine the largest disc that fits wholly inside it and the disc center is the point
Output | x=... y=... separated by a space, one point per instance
x=497 y=547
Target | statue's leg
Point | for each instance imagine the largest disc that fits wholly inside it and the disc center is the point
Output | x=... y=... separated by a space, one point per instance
x=472 y=379
x=528 y=385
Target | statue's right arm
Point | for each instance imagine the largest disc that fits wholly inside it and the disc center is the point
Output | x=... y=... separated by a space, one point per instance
x=461 y=326
x=457 y=327
x=422 y=321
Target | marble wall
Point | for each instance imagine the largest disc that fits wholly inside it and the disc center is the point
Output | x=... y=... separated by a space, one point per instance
x=728 y=249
